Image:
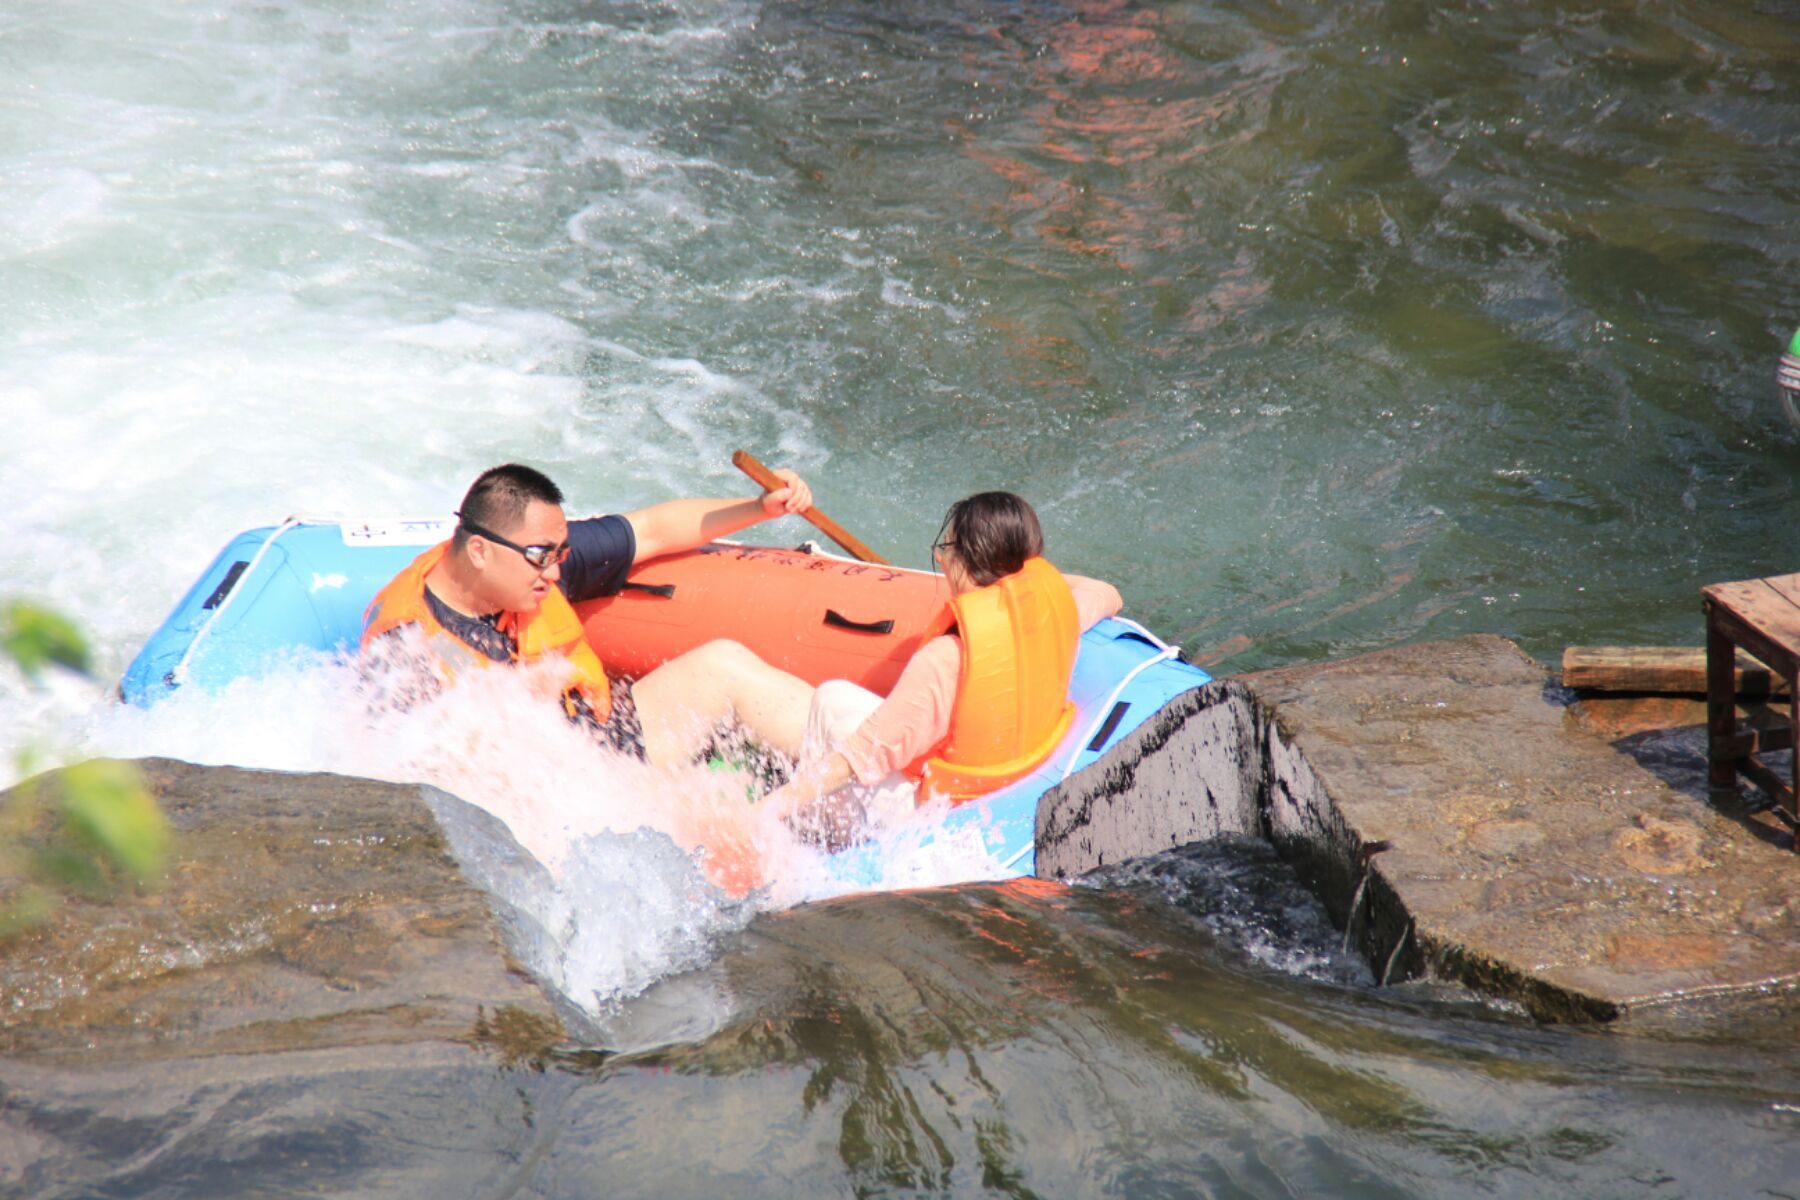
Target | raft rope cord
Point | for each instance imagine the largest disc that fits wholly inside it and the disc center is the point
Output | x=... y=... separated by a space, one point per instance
x=179 y=674
x=1164 y=654
x=1028 y=848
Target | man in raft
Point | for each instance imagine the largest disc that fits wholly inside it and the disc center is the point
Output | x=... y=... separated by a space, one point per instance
x=977 y=708
x=501 y=589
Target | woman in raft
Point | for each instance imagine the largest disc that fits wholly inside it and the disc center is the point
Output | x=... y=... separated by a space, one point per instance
x=977 y=707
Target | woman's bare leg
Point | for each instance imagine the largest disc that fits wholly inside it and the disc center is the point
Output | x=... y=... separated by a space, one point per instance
x=683 y=700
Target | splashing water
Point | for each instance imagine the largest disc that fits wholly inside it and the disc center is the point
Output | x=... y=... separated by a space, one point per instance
x=644 y=867
x=1235 y=887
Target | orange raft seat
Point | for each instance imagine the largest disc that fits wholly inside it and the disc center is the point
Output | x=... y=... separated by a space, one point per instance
x=817 y=616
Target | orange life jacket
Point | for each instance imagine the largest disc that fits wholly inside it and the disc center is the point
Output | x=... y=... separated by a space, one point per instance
x=553 y=628
x=1019 y=635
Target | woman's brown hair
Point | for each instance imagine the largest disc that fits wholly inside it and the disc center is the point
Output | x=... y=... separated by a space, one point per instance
x=993 y=533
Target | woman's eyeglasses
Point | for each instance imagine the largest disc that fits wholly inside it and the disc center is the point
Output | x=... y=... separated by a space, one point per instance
x=541 y=558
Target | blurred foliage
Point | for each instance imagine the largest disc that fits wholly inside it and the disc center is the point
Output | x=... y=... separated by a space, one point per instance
x=108 y=832
x=34 y=636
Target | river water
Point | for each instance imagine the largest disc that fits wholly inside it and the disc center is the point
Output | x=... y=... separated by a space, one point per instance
x=1318 y=327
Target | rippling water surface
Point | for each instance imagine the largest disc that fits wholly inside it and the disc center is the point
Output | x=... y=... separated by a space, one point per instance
x=1316 y=326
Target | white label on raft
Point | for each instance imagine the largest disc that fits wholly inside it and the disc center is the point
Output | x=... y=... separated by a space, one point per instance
x=394 y=533
x=321 y=582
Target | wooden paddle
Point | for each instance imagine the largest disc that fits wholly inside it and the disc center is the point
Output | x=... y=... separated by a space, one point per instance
x=746 y=462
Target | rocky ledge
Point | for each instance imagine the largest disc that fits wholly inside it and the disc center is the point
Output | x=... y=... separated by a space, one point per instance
x=1456 y=817
x=300 y=913
x=1462 y=824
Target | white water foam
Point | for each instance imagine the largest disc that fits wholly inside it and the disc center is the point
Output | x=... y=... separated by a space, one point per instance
x=265 y=257
x=268 y=258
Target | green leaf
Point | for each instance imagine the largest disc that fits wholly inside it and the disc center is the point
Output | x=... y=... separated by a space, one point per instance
x=107 y=805
x=34 y=636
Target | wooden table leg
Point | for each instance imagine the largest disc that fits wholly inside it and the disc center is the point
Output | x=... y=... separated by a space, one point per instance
x=1721 y=706
x=1794 y=766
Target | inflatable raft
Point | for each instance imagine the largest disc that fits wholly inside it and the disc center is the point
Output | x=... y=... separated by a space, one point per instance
x=305 y=583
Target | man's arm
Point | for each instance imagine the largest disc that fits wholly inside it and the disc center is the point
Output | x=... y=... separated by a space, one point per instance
x=677 y=525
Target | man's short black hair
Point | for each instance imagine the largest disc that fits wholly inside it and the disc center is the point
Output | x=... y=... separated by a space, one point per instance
x=500 y=495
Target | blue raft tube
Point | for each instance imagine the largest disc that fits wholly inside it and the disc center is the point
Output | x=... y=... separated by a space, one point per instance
x=303 y=585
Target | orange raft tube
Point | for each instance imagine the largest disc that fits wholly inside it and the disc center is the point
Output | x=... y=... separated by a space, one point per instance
x=815 y=615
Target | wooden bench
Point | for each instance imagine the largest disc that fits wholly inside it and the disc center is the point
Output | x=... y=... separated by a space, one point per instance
x=1761 y=616
x=1660 y=671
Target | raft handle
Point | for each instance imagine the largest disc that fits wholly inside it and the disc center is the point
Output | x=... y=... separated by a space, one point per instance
x=1107 y=726
x=665 y=590
x=226 y=584
x=834 y=617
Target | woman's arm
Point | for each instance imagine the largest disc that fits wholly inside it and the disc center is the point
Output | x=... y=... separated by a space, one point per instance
x=1094 y=599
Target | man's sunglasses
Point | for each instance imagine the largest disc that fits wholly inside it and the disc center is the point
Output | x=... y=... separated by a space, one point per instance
x=541 y=558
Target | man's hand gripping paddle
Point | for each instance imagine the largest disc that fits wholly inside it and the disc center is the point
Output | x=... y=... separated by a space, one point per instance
x=746 y=462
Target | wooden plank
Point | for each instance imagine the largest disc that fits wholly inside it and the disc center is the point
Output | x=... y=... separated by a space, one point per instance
x=1772 y=740
x=1773 y=653
x=1676 y=670
x=1762 y=608
x=1771 y=783
x=1782 y=584
x=1785 y=586
x=1753 y=740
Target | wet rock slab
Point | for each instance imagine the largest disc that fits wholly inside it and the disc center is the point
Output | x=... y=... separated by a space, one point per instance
x=1461 y=823
x=300 y=913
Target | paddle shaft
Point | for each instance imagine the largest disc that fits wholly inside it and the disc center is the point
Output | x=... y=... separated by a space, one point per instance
x=746 y=462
